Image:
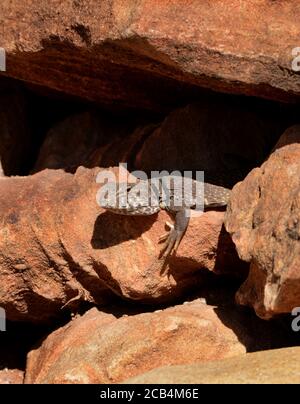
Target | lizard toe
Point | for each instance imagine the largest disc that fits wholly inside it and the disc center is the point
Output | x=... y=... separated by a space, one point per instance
x=166 y=235
x=172 y=242
x=163 y=237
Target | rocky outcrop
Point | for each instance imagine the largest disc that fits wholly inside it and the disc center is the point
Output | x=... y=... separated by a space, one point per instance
x=99 y=348
x=263 y=219
x=59 y=246
x=269 y=367
x=90 y=84
x=153 y=55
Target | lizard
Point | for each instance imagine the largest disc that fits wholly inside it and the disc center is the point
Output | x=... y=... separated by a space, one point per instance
x=147 y=197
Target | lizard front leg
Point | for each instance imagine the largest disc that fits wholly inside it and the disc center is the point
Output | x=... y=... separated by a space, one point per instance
x=173 y=238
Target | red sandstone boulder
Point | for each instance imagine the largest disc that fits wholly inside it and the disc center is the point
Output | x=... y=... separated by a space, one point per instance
x=99 y=348
x=153 y=54
x=276 y=366
x=263 y=219
x=59 y=248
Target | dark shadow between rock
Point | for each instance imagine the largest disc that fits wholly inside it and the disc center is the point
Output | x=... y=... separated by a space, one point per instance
x=109 y=229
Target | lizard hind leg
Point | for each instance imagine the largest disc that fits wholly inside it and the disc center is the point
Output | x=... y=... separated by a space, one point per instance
x=173 y=238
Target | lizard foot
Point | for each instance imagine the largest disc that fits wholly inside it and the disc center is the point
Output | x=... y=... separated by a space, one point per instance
x=171 y=240
x=166 y=235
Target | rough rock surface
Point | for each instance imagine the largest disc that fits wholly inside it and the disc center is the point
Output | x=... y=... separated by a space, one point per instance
x=11 y=376
x=57 y=244
x=280 y=366
x=99 y=348
x=263 y=219
x=164 y=51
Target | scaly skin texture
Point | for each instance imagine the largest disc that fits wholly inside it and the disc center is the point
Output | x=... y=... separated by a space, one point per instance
x=175 y=194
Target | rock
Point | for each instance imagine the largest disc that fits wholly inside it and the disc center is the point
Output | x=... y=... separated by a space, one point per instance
x=71 y=142
x=99 y=348
x=201 y=136
x=263 y=219
x=11 y=376
x=290 y=135
x=15 y=134
x=207 y=136
x=122 y=149
x=38 y=272
x=59 y=248
x=153 y=57
x=280 y=366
